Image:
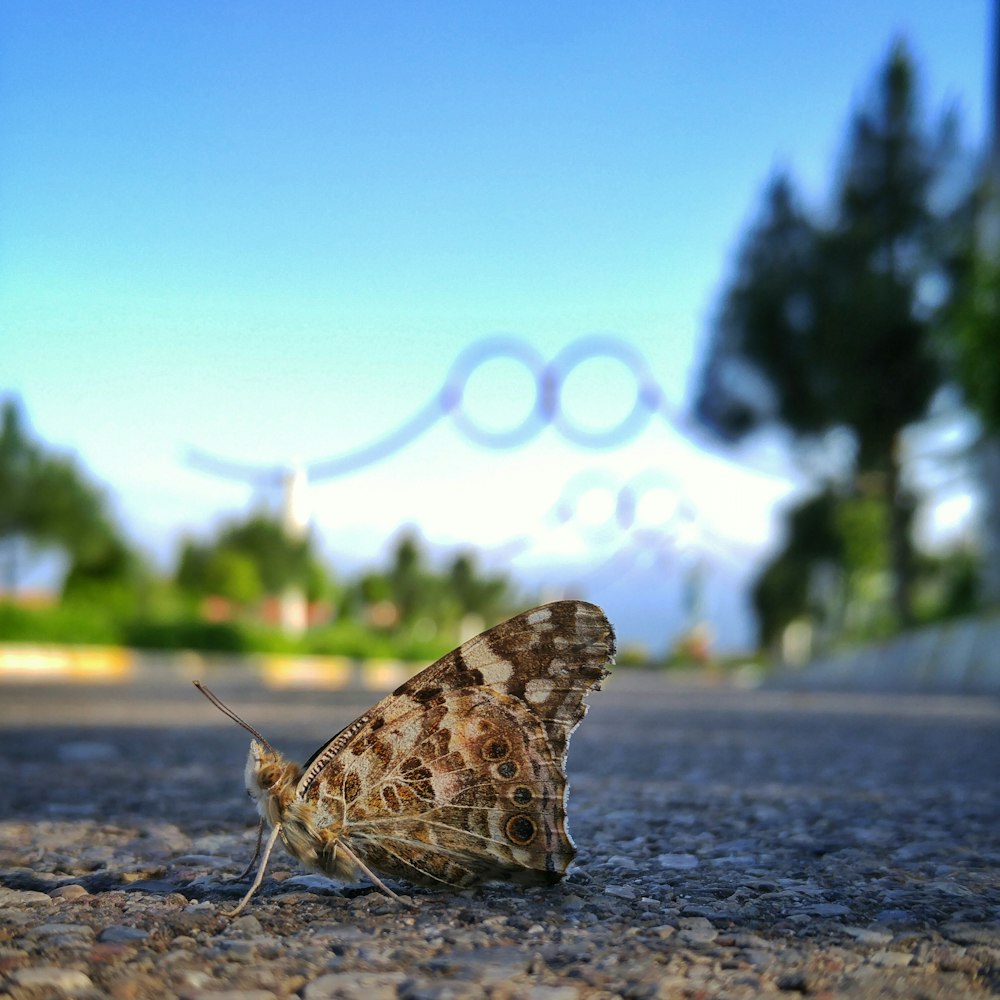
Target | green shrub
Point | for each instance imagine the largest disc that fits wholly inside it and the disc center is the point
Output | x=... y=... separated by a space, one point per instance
x=175 y=627
x=186 y=633
x=65 y=623
x=350 y=638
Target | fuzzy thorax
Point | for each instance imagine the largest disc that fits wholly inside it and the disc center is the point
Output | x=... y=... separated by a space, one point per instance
x=308 y=831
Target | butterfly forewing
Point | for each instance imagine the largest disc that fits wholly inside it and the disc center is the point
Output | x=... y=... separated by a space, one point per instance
x=549 y=658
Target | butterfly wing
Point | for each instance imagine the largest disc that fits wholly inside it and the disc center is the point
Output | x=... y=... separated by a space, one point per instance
x=459 y=776
x=459 y=790
x=548 y=658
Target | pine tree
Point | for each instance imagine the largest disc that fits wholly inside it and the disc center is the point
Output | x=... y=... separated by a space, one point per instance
x=826 y=324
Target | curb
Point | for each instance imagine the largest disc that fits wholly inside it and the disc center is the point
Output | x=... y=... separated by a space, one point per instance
x=31 y=663
x=959 y=657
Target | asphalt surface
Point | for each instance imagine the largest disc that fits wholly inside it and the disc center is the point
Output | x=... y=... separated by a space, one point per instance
x=731 y=843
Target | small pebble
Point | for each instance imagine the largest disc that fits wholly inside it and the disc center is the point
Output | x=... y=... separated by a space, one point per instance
x=63 y=982
x=61 y=930
x=891 y=958
x=22 y=897
x=122 y=935
x=72 y=891
x=621 y=891
x=354 y=986
x=677 y=861
x=867 y=935
x=233 y=995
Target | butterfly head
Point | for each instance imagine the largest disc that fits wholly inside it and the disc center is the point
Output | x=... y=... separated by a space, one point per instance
x=270 y=779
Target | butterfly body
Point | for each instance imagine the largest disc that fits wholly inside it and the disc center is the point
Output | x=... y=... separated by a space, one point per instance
x=308 y=833
x=458 y=776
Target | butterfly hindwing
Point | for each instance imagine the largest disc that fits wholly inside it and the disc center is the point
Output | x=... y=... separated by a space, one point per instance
x=461 y=791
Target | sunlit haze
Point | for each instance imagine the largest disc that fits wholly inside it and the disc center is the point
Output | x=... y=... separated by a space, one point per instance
x=266 y=231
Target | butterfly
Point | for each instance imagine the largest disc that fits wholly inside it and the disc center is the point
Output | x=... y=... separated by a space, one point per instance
x=457 y=777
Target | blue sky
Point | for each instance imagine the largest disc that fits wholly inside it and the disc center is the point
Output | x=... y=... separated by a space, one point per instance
x=267 y=230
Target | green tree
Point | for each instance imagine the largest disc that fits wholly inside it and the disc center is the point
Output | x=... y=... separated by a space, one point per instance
x=974 y=343
x=488 y=597
x=408 y=580
x=192 y=568
x=252 y=558
x=827 y=324
x=45 y=500
x=280 y=560
x=784 y=590
x=233 y=575
x=422 y=594
x=975 y=329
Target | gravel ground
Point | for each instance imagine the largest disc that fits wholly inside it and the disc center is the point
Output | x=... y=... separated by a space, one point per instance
x=731 y=844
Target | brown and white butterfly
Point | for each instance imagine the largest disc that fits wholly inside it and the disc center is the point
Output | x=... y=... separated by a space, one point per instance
x=458 y=776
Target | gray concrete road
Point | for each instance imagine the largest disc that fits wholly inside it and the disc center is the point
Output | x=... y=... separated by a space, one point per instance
x=731 y=843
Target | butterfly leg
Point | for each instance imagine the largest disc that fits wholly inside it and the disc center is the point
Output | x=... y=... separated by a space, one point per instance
x=260 y=873
x=256 y=854
x=375 y=879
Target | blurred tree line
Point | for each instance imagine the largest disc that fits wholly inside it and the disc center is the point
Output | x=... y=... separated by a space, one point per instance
x=224 y=589
x=843 y=327
x=45 y=500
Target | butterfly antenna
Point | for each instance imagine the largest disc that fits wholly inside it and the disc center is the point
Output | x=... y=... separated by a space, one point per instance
x=229 y=713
